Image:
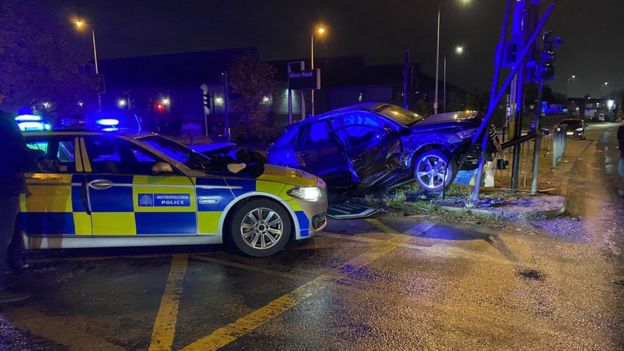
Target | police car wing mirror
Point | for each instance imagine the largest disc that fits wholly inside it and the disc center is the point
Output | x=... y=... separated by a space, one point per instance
x=236 y=167
x=162 y=167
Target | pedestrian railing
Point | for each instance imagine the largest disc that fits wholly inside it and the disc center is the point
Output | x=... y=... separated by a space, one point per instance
x=558 y=144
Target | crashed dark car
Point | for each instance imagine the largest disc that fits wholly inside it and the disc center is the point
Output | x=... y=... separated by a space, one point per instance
x=378 y=145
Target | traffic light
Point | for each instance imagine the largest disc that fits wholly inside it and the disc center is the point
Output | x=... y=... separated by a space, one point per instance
x=206 y=100
x=160 y=107
x=551 y=43
x=162 y=104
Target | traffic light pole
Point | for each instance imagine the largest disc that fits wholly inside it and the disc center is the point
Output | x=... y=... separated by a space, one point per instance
x=538 y=138
x=481 y=134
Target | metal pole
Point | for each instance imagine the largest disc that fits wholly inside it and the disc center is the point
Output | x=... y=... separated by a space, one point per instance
x=204 y=89
x=498 y=60
x=312 y=68
x=499 y=96
x=97 y=71
x=226 y=107
x=289 y=97
x=435 y=103
x=405 y=79
x=538 y=138
x=444 y=105
x=519 y=27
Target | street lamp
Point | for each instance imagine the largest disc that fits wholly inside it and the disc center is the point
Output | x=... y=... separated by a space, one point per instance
x=459 y=50
x=571 y=78
x=435 y=103
x=81 y=25
x=320 y=30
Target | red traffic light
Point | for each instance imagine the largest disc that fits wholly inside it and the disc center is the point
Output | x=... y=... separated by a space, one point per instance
x=160 y=107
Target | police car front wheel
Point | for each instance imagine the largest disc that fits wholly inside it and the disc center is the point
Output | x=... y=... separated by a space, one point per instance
x=260 y=228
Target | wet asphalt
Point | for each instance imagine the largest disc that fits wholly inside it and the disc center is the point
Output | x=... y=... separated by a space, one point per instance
x=392 y=283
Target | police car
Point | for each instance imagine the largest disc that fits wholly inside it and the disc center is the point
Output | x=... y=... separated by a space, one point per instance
x=97 y=189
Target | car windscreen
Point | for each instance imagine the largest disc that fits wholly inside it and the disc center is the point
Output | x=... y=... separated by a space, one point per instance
x=571 y=122
x=399 y=115
x=178 y=152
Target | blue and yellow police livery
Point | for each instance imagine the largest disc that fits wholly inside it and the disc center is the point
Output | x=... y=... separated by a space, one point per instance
x=95 y=189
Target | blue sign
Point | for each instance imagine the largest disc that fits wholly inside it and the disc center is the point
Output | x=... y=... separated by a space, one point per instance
x=164 y=200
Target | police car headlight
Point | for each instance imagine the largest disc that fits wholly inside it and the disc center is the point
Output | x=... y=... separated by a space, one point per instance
x=309 y=193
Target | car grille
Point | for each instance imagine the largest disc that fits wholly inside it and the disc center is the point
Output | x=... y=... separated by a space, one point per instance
x=319 y=221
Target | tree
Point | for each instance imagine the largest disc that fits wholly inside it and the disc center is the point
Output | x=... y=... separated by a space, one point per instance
x=252 y=82
x=41 y=58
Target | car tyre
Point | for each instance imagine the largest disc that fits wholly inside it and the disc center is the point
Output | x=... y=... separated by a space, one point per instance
x=434 y=170
x=260 y=228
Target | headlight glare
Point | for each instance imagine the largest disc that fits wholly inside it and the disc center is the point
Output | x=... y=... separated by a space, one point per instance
x=308 y=193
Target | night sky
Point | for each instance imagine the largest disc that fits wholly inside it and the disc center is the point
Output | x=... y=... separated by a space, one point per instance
x=592 y=31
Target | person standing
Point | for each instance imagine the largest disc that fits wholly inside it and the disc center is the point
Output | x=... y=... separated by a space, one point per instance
x=14 y=160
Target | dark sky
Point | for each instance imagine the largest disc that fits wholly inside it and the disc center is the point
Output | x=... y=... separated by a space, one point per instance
x=593 y=32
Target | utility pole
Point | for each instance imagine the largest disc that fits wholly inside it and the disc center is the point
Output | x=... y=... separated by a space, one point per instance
x=519 y=28
x=406 y=74
x=226 y=106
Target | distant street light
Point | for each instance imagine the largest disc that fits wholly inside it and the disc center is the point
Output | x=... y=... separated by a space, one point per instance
x=459 y=50
x=320 y=30
x=435 y=103
x=571 y=78
x=81 y=25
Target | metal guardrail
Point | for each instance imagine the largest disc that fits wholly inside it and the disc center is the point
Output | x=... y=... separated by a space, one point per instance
x=559 y=140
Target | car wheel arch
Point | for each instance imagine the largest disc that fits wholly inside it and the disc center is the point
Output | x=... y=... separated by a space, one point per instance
x=230 y=210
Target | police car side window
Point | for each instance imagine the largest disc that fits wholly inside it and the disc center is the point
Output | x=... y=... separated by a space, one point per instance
x=117 y=156
x=52 y=155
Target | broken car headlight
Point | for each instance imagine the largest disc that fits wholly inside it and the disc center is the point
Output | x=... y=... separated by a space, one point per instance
x=308 y=193
x=466 y=133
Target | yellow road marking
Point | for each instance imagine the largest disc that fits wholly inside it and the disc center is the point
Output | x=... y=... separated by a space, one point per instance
x=164 y=326
x=248 y=323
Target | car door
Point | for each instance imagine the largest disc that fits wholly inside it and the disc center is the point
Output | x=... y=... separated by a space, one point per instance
x=127 y=199
x=368 y=141
x=320 y=154
x=55 y=205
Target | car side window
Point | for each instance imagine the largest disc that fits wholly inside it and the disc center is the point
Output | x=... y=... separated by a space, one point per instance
x=117 y=156
x=52 y=154
x=359 y=130
x=315 y=133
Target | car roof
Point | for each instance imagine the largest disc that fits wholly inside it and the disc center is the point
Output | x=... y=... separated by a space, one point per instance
x=364 y=106
x=83 y=132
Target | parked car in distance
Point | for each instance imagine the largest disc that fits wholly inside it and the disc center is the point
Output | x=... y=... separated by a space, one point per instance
x=575 y=128
x=373 y=145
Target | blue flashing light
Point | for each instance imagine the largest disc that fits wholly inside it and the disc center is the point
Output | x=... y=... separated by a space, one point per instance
x=110 y=129
x=108 y=122
x=32 y=126
x=25 y=118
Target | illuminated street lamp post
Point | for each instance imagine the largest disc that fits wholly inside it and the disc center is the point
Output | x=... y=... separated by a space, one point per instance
x=80 y=25
x=571 y=78
x=604 y=87
x=437 y=79
x=459 y=50
x=320 y=30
